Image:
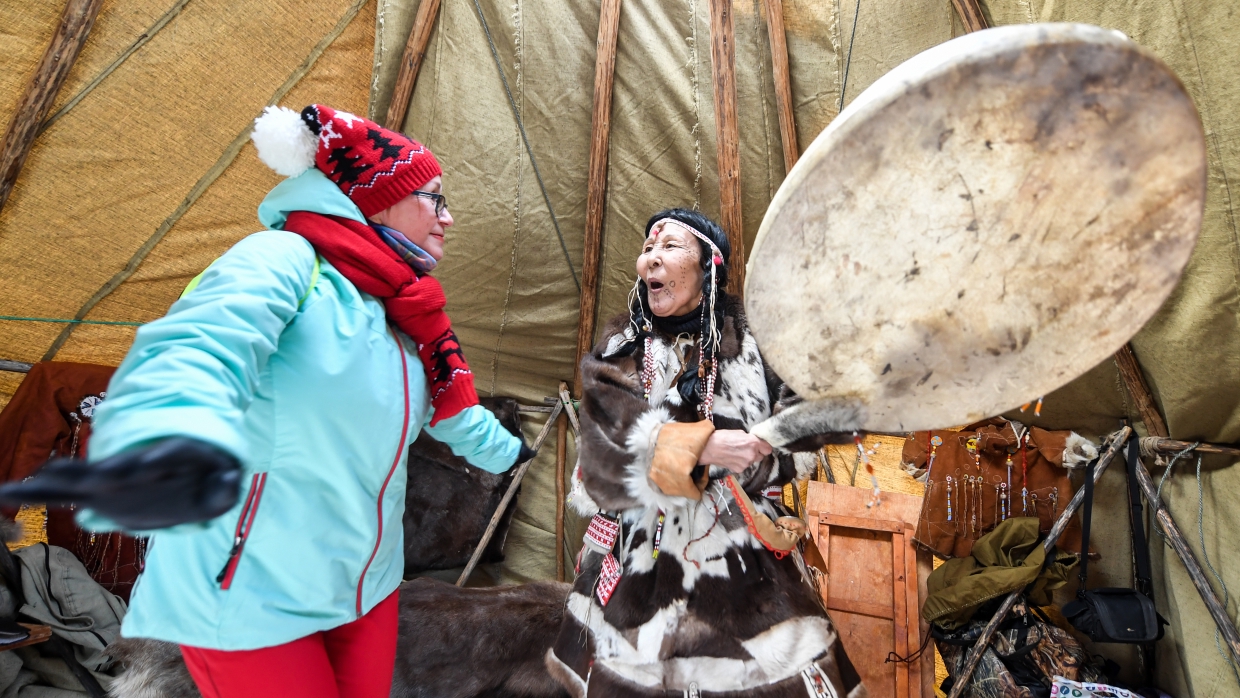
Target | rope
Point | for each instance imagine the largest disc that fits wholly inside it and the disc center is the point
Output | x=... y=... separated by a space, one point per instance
x=848 y=61
x=516 y=114
x=1163 y=479
x=16 y=318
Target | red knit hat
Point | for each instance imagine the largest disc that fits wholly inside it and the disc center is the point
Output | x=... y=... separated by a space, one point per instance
x=373 y=166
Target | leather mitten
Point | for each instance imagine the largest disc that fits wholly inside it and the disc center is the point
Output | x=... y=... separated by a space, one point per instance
x=170 y=482
x=676 y=454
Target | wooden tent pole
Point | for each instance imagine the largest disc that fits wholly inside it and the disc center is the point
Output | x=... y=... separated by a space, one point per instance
x=1134 y=380
x=1225 y=625
x=596 y=181
x=1061 y=524
x=411 y=63
x=503 y=503
x=783 y=82
x=1173 y=446
x=727 y=138
x=971 y=15
x=75 y=25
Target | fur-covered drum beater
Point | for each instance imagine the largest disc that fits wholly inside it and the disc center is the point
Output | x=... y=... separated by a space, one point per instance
x=982 y=225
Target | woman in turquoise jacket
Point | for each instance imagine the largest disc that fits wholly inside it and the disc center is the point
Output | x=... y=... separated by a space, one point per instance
x=263 y=424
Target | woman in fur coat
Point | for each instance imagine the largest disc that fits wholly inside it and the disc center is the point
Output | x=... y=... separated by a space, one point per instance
x=686 y=583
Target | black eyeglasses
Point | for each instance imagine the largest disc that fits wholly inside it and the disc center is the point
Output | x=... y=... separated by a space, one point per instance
x=441 y=201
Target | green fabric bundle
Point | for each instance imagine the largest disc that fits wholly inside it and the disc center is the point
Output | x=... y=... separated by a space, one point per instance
x=1007 y=559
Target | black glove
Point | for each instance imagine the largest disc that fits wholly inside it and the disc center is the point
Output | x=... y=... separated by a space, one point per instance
x=526 y=453
x=171 y=482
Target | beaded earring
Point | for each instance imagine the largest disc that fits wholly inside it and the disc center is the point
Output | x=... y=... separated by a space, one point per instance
x=949 y=497
x=935 y=442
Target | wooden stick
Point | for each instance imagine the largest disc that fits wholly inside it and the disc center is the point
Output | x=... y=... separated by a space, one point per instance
x=1134 y=380
x=971 y=15
x=570 y=412
x=1217 y=611
x=1061 y=523
x=503 y=503
x=14 y=366
x=568 y=407
x=75 y=24
x=411 y=63
x=783 y=82
x=1173 y=446
x=596 y=180
x=727 y=138
x=561 y=455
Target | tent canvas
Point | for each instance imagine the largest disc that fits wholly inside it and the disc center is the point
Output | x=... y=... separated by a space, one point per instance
x=145 y=180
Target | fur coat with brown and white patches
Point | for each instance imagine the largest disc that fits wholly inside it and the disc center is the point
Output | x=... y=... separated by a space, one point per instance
x=715 y=613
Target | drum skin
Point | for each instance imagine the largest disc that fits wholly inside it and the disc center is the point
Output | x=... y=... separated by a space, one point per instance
x=985 y=223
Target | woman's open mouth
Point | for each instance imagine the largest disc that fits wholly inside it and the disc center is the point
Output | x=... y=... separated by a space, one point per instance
x=654 y=286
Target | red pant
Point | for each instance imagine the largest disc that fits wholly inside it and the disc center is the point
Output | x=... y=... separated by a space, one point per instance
x=354 y=660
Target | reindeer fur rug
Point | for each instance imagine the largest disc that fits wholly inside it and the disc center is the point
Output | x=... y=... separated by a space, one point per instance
x=452 y=643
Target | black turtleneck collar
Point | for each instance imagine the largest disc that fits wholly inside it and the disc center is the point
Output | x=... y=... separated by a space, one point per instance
x=674 y=325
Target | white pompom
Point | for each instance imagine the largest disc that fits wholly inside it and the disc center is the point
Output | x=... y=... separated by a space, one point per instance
x=285 y=143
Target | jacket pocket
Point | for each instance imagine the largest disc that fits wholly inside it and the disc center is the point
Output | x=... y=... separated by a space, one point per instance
x=245 y=524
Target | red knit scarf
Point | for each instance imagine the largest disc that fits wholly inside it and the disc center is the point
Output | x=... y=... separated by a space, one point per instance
x=415 y=304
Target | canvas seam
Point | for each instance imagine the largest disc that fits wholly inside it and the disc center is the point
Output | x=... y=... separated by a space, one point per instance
x=204 y=183
x=516 y=210
x=697 y=113
x=143 y=39
x=762 y=93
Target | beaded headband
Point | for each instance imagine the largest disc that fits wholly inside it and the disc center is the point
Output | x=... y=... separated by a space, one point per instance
x=717 y=257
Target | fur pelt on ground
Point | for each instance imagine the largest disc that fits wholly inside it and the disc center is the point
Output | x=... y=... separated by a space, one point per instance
x=452 y=643
x=486 y=642
x=153 y=669
x=448 y=504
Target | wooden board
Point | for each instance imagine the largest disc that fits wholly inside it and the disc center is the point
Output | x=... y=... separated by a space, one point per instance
x=38 y=633
x=874 y=585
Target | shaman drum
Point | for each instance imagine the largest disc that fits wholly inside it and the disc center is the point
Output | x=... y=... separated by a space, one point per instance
x=985 y=223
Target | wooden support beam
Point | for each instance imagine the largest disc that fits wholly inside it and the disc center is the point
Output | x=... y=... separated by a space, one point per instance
x=783 y=82
x=411 y=63
x=14 y=366
x=971 y=15
x=1217 y=611
x=1173 y=446
x=508 y=495
x=75 y=25
x=1048 y=544
x=727 y=138
x=1134 y=380
x=596 y=181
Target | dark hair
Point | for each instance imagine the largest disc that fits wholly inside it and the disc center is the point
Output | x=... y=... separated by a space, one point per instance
x=707 y=227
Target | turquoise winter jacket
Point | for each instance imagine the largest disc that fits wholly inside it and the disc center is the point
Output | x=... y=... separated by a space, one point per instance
x=299 y=376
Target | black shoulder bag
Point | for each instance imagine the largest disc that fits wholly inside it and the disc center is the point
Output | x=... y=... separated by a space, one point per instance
x=1116 y=614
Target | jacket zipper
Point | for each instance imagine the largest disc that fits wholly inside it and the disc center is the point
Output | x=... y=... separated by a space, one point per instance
x=245 y=523
x=400 y=448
